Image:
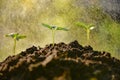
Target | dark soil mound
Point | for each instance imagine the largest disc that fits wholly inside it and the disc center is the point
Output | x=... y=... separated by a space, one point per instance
x=61 y=62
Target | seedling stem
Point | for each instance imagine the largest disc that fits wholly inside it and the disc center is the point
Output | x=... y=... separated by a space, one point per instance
x=88 y=35
x=53 y=36
x=14 y=47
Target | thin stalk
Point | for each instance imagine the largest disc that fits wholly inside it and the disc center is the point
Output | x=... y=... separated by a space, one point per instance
x=14 y=47
x=53 y=36
x=88 y=36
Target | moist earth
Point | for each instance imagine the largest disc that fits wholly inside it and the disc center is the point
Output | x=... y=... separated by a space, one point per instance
x=60 y=62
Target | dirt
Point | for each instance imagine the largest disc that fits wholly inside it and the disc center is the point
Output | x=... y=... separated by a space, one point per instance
x=60 y=62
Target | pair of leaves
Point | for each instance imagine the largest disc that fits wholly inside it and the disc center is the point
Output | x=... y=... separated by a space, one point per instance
x=90 y=26
x=16 y=36
x=54 y=27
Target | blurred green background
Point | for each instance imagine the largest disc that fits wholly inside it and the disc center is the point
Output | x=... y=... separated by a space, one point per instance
x=26 y=16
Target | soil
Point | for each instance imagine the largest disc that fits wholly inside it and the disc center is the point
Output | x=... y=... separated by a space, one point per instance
x=60 y=62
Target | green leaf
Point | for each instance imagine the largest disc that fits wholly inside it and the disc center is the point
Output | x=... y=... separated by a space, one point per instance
x=54 y=27
x=90 y=26
x=13 y=35
x=81 y=24
x=61 y=28
x=20 y=37
x=46 y=25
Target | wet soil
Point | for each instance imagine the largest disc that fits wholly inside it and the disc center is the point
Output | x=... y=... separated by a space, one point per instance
x=60 y=62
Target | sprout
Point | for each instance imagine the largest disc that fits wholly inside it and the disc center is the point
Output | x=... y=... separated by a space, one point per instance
x=54 y=28
x=87 y=27
x=16 y=37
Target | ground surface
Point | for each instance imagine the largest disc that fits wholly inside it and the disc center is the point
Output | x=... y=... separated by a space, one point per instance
x=61 y=62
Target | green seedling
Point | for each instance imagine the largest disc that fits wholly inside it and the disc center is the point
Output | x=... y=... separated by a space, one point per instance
x=16 y=37
x=53 y=29
x=88 y=28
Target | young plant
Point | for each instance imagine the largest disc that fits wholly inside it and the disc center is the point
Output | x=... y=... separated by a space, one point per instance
x=53 y=29
x=88 y=28
x=16 y=37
